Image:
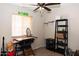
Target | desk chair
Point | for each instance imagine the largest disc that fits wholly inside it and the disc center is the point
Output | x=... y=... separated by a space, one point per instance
x=25 y=47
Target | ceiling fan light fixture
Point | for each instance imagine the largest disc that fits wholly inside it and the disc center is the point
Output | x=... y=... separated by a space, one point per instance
x=44 y=6
x=40 y=8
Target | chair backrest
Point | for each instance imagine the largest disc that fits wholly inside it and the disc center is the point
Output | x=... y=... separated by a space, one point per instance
x=25 y=43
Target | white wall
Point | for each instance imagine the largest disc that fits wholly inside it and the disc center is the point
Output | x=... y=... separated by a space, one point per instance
x=6 y=12
x=71 y=12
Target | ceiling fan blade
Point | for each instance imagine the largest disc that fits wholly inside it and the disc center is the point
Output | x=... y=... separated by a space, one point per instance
x=47 y=8
x=42 y=4
x=36 y=8
x=39 y=4
x=48 y=4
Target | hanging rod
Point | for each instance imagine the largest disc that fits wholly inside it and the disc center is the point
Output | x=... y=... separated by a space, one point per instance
x=49 y=22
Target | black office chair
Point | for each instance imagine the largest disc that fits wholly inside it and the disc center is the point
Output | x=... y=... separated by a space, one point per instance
x=28 y=49
x=18 y=50
x=23 y=46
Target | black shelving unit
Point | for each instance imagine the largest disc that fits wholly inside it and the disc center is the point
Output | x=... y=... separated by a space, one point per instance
x=61 y=36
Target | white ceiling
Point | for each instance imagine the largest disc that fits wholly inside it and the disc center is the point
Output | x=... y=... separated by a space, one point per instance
x=32 y=5
x=25 y=4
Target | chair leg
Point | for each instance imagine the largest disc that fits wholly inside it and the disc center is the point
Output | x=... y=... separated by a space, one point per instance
x=32 y=51
x=28 y=51
x=23 y=52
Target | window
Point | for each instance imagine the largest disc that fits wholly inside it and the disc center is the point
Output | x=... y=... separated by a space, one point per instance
x=20 y=24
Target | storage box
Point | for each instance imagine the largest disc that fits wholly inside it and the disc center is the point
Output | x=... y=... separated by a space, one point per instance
x=60 y=35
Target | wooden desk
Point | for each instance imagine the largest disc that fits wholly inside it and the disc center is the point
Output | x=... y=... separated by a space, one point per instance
x=16 y=39
x=24 y=41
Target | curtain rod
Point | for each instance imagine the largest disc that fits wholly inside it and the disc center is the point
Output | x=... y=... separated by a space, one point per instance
x=49 y=22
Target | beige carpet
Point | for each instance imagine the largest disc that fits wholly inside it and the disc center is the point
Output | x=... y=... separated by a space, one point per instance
x=46 y=52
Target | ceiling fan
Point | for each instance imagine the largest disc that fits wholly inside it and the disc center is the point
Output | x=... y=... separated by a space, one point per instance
x=44 y=6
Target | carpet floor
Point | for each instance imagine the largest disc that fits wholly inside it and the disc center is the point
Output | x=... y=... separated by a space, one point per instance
x=46 y=52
